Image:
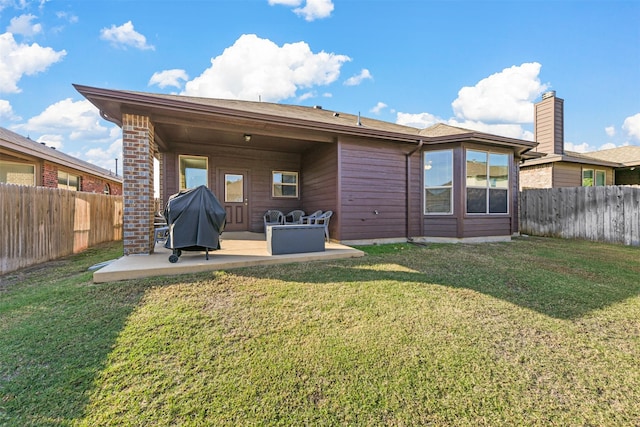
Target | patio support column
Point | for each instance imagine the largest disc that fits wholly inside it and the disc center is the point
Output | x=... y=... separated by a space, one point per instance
x=138 y=148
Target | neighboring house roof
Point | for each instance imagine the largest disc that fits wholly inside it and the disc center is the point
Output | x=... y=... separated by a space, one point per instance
x=281 y=116
x=620 y=157
x=21 y=144
x=627 y=156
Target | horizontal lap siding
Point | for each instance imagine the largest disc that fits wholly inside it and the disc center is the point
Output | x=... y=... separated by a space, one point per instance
x=258 y=163
x=440 y=226
x=487 y=226
x=319 y=183
x=373 y=178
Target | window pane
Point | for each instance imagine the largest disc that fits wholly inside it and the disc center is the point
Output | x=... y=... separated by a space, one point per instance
x=497 y=201
x=476 y=169
x=285 y=184
x=14 y=173
x=499 y=171
x=63 y=179
x=476 y=200
x=193 y=172
x=437 y=200
x=600 y=177
x=234 y=188
x=74 y=182
x=438 y=168
x=587 y=177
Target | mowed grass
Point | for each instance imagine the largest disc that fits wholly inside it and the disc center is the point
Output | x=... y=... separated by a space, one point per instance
x=533 y=332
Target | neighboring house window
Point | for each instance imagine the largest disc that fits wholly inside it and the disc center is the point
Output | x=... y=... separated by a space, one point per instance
x=284 y=184
x=487 y=182
x=591 y=177
x=438 y=182
x=67 y=181
x=107 y=189
x=17 y=173
x=193 y=172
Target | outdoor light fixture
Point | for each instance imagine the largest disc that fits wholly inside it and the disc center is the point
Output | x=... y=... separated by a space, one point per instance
x=247 y=137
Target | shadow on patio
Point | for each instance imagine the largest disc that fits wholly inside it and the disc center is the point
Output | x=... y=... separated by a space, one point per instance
x=237 y=249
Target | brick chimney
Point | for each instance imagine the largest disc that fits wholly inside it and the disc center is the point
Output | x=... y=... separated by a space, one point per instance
x=548 y=124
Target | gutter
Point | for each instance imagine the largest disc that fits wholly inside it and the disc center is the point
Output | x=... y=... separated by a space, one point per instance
x=408 y=188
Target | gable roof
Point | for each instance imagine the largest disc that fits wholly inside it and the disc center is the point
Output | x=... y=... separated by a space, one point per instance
x=627 y=156
x=282 y=116
x=19 y=143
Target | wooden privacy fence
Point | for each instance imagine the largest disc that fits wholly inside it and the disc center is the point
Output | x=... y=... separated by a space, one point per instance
x=605 y=214
x=40 y=224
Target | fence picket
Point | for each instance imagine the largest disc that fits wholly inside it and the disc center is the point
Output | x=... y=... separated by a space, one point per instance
x=607 y=214
x=40 y=224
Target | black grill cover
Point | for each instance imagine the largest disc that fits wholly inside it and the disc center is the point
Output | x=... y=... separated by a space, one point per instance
x=196 y=219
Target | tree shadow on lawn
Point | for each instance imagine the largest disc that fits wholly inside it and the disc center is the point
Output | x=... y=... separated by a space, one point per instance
x=560 y=279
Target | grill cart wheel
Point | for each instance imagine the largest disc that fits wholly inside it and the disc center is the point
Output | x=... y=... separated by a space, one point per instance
x=173 y=258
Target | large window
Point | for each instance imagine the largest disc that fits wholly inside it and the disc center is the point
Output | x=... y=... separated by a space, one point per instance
x=487 y=182
x=284 y=184
x=438 y=182
x=193 y=172
x=68 y=181
x=592 y=177
x=17 y=173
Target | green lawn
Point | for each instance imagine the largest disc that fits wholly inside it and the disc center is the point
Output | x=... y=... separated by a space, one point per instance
x=532 y=332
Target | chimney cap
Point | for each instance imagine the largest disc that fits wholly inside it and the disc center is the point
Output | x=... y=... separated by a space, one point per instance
x=549 y=94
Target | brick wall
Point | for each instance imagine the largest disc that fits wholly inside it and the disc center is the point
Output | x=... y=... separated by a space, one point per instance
x=538 y=176
x=50 y=175
x=138 y=147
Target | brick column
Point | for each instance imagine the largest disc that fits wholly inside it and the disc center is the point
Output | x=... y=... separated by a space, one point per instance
x=138 y=147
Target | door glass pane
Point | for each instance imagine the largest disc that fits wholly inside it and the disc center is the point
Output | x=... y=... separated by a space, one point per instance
x=233 y=188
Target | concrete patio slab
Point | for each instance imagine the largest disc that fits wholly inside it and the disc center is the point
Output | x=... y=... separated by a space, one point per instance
x=237 y=249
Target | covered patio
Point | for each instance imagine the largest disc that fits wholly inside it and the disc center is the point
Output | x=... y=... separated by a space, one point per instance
x=238 y=249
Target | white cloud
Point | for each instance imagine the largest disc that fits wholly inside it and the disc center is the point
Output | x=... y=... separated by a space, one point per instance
x=69 y=17
x=312 y=10
x=579 y=148
x=510 y=130
x=105 y=158
x=55 y=141
x=504 y=97
x=125 y=36
x=378 y=108
x=78 y=120
x=254 y=68
x=21 y=59
x=419 y=120
x=22 y=25
x=607 y=146
x=6 y=111
x=631 y=125
x=166 y=78
x=610 y=131
x=359 y=78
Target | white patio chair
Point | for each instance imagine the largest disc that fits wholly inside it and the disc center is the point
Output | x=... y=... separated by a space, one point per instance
x=307 y=219
x=294 y=217
x=323 y=220
x=273 y=217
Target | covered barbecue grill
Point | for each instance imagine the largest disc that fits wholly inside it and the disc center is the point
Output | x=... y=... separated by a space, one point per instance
x=196 y=219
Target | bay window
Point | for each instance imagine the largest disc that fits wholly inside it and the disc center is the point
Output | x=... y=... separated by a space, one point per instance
x=438 y=182
x=487 y=182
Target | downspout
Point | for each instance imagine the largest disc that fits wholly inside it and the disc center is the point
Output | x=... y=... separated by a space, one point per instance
x=408 y=189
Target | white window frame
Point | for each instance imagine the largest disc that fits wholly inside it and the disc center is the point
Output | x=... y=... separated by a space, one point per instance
x=427 y=187
x=274 y=184
x=594 y=180
x=182 y=179
x=488 y=186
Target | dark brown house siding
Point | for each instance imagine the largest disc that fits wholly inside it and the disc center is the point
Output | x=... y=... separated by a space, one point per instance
x=373 y=189
x=320 y=183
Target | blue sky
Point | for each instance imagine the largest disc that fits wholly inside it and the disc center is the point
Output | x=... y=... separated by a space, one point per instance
x=474 y=64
